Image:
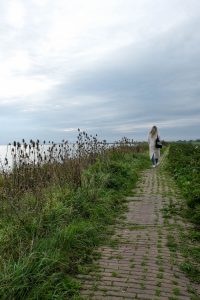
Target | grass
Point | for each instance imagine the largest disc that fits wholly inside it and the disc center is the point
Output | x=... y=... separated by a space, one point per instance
x=49 y=233
x=115 y=274
x=171 y=243
x=161 y=269
x=183 y=165
x=159 y=276
x=191 y=270
x=142 y=285
x=159 y=284
x=157 y=292
x=176 y=291
x=175 y=282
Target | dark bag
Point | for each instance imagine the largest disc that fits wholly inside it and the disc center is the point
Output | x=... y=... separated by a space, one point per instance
x=158 y=143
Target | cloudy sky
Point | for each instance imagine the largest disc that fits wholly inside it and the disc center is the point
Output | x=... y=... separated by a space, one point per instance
x=111 y=67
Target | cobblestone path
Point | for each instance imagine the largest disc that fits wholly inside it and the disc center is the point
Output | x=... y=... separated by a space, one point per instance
x=141 y=265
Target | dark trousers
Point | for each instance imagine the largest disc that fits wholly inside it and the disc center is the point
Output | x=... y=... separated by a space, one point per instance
x=154 y=160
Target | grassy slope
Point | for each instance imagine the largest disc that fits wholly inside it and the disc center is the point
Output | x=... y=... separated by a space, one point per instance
x=184 y=165
x=40 y=254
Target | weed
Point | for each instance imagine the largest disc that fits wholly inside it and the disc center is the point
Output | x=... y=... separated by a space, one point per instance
x=115 y=274
x=191 y=290
x=171 y=243
x=159 y=245
x=192 y=271
x=114 y=243
x=136 y=227
x=142 y=285
x=159 y=262
x=159 y=283
x=160 y=275
x=157 y=292
x=176 y=291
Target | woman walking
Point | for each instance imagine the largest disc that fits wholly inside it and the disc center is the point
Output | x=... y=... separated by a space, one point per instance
x=154 y=152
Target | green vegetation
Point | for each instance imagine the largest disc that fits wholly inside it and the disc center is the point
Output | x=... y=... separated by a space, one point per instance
x=55 y=213
x=176 y=291
x=192 y=271
x=171 y=243
x=158 y=292
x=184 y=165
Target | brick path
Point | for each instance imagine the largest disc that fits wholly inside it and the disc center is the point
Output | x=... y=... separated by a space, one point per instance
x=141 y=266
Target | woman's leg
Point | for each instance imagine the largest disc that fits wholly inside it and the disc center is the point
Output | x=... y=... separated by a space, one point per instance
x=153 y=160
x=157 y=156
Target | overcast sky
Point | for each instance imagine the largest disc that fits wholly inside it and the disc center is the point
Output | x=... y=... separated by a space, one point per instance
x=111 y=67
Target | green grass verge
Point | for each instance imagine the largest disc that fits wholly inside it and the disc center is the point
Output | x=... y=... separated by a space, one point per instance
x=41 y=253
x=183 y=163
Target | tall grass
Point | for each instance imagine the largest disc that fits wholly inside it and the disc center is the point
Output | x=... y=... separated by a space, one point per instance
x=56 y=210
x=184 y=165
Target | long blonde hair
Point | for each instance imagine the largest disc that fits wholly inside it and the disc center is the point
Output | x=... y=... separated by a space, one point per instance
x=154 y=131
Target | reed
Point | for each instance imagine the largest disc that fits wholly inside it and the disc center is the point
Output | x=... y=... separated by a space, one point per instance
x=56 y=204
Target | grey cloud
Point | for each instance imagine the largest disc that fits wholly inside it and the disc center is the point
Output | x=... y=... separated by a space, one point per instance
x=165 y=76
x=148 y=82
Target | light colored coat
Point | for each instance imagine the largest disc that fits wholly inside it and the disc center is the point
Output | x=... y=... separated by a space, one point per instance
x=152 y=147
